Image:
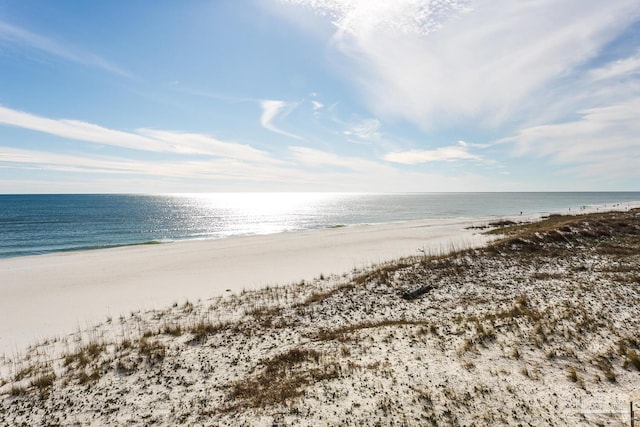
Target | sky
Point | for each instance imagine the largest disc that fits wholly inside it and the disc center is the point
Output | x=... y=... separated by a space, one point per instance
x=166 y=96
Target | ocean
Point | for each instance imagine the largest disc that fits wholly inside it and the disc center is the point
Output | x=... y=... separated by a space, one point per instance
x=40 y=224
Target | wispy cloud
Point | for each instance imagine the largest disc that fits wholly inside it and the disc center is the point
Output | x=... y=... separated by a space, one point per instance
x=37 y=159
x=321 y=159
x=196 y=143
x=367 y=129
x=359 y=174
x=526 y=69
x=603 y=141
x=618 y=69
x=79 y=130
x=150 y=140
x=400 y=16
x=308 y=169
x=442 y=154
x=212 y=168
x=439 y=63
x=270 y=110
x=316 y=107
x=23 y=38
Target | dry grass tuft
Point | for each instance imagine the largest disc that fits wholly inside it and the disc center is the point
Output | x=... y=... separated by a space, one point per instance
x=44 y=380
x=633 y=359
x=153 y=351
x=572 y=374
x=284 y=377
x=342 y=334
x=203 y=329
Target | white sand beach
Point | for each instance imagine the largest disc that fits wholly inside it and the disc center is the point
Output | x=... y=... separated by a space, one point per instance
x=47 y=295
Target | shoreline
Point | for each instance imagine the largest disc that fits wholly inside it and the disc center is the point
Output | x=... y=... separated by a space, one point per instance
x=44 y=296
x=83 y=245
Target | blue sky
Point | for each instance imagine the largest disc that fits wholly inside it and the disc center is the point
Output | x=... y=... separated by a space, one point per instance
x=319 y=95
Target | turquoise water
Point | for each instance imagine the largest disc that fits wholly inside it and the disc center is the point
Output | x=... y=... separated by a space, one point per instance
x=39 y=224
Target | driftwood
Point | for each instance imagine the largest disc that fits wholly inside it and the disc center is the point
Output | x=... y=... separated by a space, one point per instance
x=417 y=293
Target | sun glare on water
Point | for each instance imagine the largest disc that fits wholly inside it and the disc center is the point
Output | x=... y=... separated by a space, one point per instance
x=260 y=213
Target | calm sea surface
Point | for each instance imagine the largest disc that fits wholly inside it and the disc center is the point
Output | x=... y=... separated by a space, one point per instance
x=38 y=224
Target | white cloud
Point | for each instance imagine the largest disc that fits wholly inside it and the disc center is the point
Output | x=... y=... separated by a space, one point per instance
x=318 y=158
x=79 y=130
x=196 y=143
x=270 y=110
x=316 y=108
x=32 y=40
x=438 y=62
x=497 y=66
x=217 y=168
x=64 y=162
x=367 y=129
x=150 y=140
x=310 y=169
x=340 y=173
x=446 y=154
x=619 y=69
x=314 y=158
x=603 y=140
x=403 y=16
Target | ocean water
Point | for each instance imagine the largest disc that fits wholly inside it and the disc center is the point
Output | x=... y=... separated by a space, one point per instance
x=39 y=224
